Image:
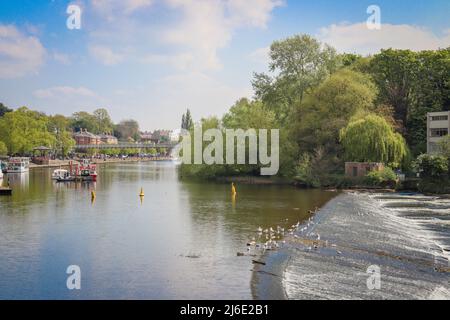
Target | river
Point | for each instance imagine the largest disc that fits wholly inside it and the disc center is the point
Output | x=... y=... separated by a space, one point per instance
x=180 y=241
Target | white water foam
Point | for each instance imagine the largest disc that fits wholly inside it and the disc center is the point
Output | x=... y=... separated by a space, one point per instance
x=361 y=230
x=416 y=228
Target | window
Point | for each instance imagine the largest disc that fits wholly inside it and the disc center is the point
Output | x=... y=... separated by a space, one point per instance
x=439 y=118
x=355 y=171
x=439 y=132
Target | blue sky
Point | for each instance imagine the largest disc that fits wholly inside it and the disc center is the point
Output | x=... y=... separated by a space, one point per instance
x=151 y=59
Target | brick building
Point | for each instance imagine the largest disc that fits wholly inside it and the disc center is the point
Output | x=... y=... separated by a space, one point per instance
x=84 y=137
x=361 y=169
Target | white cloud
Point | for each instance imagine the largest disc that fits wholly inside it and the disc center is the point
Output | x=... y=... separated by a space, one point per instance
x=358 y=38
x=203 y=30
x=252 y=12
x=105 y=55
x=20 y=54
x=191 y=42
x=63 y=92
x=112 y=8
x=208 y=25
x=133 y=5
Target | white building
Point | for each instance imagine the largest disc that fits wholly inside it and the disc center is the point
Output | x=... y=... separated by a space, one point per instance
x=438 y=126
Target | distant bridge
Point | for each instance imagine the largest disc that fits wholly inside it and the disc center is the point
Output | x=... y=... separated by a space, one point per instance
x=167 y=145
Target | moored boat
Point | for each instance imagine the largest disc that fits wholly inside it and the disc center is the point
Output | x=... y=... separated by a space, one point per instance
x=59 y=173
x=2 y=167
x=67 y=178
x=77 y=172
x=88 y=171
x=64 y=176
x=18 y=165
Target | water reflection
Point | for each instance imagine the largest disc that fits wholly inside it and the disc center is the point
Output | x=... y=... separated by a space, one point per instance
x=179 y=241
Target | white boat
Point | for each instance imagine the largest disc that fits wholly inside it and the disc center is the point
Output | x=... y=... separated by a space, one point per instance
x=1 y=173
x=58 y=173
x=18 y=165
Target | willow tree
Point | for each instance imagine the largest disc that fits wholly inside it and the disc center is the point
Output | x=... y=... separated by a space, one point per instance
x=370 y=138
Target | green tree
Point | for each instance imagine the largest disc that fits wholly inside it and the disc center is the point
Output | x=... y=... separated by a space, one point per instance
x=183 y=121
x=317 y=122
x=103 y=122
x=23 y=129
x=3 y=149
x=4 y=109
x=245 y=114
x=59 y=126
x=105 y=151
x=394 y=72
x=83 y=120
x=431 y=93
x=432 y=166
x=301 y=63
x=186 y=122
x=127 y=129
x=92 y=152
x=444 y=146
x=413 y=83
x=371 y=139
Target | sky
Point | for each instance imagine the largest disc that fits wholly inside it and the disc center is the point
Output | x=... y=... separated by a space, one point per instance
x=150 y=60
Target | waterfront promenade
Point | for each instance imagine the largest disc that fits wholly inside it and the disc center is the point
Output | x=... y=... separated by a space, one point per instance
x=66 y=163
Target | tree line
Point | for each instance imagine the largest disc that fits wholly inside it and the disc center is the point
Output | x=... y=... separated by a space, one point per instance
x=23 y=129
x=331 y=108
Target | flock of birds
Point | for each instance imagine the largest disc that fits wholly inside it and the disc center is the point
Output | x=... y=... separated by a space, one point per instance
x=273 y=238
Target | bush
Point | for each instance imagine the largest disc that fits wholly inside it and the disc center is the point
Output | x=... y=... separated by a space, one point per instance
x=434 y=186
x=340 y=181
x=305 y=174
x=432 y=166
x=444 y=146
x=384 y=177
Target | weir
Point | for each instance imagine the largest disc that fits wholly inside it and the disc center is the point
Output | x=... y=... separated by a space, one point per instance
x=406 y=236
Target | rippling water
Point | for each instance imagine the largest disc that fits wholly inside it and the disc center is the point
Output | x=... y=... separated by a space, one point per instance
x=179 y=242
x=407 y=236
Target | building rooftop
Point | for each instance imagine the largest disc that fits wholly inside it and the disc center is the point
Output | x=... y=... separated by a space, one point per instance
x=85 y=133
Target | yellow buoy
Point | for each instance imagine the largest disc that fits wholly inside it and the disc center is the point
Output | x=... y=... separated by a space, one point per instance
x=142 y=193
x=233 y=189
x=93 y=197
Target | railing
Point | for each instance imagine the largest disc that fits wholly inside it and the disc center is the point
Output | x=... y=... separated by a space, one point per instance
x=168 y=145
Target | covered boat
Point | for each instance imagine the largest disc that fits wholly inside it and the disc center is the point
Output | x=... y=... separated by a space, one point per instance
x=18 y=165
x=59 y=173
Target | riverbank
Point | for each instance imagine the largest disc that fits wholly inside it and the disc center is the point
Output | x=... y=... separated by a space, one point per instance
x=66 y=163
x=406 y=235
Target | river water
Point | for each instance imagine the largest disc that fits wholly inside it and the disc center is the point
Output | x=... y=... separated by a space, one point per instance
x=403 y=238
x=179 y=242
